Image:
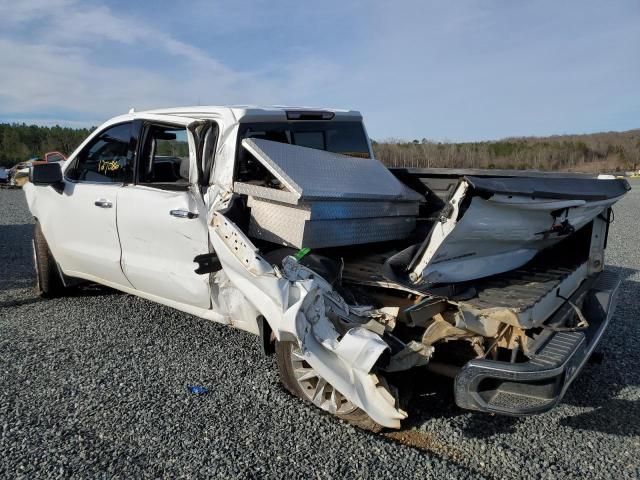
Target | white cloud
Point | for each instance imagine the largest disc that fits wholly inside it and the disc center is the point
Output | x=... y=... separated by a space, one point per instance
x=60 y=67
x=463 y=70
x=19 y=12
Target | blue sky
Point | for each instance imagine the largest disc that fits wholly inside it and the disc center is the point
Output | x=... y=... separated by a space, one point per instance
x=464 y=70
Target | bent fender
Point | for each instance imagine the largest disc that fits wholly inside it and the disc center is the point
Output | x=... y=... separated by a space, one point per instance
x=294 y=301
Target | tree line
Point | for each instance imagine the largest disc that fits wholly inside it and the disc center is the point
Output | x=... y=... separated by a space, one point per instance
x=598 y=152
x=19 y=142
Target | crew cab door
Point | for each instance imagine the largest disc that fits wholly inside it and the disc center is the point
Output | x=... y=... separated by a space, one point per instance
x=160 y=222
x=80 y=222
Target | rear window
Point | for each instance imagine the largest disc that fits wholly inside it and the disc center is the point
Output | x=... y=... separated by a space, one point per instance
x=346 y=138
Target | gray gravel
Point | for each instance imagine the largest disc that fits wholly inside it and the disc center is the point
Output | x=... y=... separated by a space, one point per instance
x=95 y=385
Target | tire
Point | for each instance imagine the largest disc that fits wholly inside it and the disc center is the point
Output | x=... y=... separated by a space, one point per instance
x=288 y=362
x=48 y=281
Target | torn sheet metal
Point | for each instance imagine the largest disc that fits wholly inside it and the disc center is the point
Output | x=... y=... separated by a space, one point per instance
x=485 y=233
x=294 y=303
x=238 y=311
x=414 y=354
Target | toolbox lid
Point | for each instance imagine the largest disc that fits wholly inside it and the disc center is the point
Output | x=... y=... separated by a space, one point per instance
x=311 y=174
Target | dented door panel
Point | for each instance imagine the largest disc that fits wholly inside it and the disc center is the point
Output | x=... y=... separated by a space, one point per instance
x=158 y=248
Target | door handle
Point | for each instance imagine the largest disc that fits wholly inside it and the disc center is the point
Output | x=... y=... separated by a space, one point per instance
x=103 y=203
x=182 y=213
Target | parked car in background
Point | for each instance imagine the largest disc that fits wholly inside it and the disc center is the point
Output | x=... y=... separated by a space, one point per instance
x=19 y=173
x=50 y=157
x=4 y=175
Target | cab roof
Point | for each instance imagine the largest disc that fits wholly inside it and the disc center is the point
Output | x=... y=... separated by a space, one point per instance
x=247 y=112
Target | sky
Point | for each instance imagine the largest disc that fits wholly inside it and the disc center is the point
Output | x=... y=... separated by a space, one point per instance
x=446 y=71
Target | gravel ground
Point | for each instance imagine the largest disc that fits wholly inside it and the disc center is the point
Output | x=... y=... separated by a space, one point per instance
x=95 y=385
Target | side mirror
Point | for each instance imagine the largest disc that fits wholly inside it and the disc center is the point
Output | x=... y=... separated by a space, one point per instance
x=46 y=174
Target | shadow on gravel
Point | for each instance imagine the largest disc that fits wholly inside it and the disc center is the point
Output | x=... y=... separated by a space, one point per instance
x=91 y=290
x=17 y=271
x=21 y=301
x=435 y=400
x=613 y=415
x=16 y=256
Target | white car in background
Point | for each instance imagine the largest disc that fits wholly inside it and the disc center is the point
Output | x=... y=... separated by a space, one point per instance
x=19 y=173
x=280 y=222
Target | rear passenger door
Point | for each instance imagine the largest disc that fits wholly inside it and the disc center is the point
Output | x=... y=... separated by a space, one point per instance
x=161 y=228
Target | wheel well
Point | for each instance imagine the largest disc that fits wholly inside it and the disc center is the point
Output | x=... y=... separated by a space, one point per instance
x=267 y=340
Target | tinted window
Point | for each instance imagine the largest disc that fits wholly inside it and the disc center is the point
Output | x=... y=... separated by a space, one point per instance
x=310 y=139
x=165 y=156
x=106 y=159
x=347 y=138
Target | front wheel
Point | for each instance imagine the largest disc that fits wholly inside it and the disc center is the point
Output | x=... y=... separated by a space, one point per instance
x=48 y=280
x=301 y=380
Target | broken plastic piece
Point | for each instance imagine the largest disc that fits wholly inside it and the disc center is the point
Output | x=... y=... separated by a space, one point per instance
x=197 y=389
x=301 y=253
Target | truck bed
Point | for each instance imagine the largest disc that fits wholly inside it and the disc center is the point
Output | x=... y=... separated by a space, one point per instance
x=531 y=293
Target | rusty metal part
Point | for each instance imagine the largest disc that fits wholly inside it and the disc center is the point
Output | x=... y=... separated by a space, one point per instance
x=491 y=350
x=477 y=343
x=438 y=329
x=441 y=330
x=511 y=338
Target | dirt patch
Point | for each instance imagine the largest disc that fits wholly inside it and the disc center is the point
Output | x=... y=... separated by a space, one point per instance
x=426 y=443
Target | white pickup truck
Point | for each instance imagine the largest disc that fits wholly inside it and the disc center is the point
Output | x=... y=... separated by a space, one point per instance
x=280 y=222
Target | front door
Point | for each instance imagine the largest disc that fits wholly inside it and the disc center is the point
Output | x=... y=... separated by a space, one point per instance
x=160 y=224
x=81 y=230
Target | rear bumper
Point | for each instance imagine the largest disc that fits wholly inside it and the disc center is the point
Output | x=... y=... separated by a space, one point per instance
x=539 y=384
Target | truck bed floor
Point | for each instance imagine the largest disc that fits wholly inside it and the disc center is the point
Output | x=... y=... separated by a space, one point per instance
x=521 y=288
x=531 y=293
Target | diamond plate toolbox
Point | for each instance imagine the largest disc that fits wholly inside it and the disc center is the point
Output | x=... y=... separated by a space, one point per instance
x=326 y=199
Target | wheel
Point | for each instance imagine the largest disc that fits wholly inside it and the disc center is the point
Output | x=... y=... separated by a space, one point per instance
x=48 y=281
x=301 y=380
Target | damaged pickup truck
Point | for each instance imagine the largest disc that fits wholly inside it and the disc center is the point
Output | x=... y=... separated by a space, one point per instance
x=279 y=222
